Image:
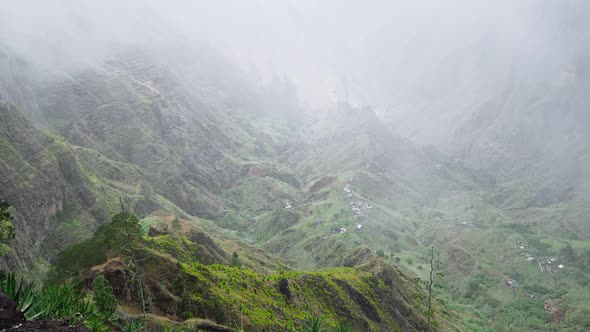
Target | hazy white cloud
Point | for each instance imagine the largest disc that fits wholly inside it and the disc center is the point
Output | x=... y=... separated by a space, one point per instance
x=388 y=53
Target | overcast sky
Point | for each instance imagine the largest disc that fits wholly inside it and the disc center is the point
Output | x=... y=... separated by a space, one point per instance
x=390 y=54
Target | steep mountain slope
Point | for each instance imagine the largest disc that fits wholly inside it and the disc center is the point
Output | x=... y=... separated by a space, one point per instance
x=149 y=145
x=56 y=188
x=185 y=275
x=123 y=138
x=514 y=104
x=511 y=102
x=359 y=177
x=248 y=170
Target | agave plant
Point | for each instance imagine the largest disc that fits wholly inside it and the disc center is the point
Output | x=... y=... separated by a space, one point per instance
x=61 y=301
x=96 y=324
x=315 y=324
x=64 y=302
x=133 y=326
x=21 y=293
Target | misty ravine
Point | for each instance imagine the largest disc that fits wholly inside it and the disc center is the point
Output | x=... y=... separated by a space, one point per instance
x=295 y=165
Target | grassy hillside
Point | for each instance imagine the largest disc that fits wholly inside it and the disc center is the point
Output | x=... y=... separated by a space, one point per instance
x=331 y=205
x=185 y=275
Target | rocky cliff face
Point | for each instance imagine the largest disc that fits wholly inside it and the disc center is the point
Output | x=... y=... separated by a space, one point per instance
x=40 y=177
x=60 y=192
x=131 y=128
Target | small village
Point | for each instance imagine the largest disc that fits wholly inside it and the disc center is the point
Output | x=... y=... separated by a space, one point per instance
x=546 y=265
x=549 y=266
x=358 y=207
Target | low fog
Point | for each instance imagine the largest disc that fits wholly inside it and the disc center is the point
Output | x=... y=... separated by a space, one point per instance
x=426 y=67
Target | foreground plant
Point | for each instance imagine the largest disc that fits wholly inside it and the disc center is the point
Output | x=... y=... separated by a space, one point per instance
x=133 y=326
x=50 y=302
x=315 y=324
x=342 y=327
x=20 y=293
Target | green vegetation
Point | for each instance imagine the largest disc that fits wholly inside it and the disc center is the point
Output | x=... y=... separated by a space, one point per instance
x=103 y=296
x=224 y=293
x=6 y=227
x=315 y=324
x=430 y=284
x=342 y=327
x=109 y=240
x=51 y=302
x=235 y=260
x=20 y=293
x=271 y=190
x=524 y=314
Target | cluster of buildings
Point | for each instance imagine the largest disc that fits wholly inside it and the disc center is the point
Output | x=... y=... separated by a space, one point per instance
x=546 y=265
x=358 y=207
x=550 y=266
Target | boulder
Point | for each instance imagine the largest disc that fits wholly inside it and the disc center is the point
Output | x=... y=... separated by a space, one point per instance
x=158 y=229
x=9 y=315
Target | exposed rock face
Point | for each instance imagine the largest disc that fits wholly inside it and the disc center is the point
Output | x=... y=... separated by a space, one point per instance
x=38 y=174
x=179 y=166
x=114 y=271
x=49 y=182
x=163 y=300
x=207 y=249
x=9 y=315
x=158 y=229
x=123 y=138
x=461 y=260
x=284 y=288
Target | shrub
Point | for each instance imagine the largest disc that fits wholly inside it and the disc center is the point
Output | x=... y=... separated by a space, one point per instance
x=235 y=260
x=103 y=296
x=380 y=253
x=6 y=227
x=96 y=324
x=342 y=327
x=133 y=326
x=110 y=237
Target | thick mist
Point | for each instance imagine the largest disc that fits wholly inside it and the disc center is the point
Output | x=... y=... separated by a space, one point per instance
x=426 y=67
